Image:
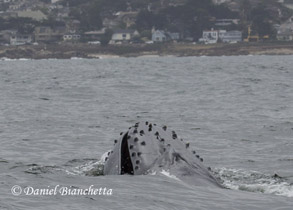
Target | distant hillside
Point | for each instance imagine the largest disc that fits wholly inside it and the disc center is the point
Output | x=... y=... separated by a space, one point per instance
x=187 y=17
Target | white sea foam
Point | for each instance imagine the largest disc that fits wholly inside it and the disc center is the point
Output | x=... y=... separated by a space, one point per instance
x=9 y=59
x=167 y=173
x=254 y=181
x=92 y=167
x=6 y=59
x=88 y=168
x=76 y=58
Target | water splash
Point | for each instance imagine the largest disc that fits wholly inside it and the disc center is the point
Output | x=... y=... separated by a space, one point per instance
x=38 y=169
x=253 y=181
x=88 y=167
x=167 y=173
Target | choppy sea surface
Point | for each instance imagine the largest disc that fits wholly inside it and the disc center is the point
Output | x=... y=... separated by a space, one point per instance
x=58 y=117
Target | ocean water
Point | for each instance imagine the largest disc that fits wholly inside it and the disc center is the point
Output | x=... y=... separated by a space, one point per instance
x=58 y=118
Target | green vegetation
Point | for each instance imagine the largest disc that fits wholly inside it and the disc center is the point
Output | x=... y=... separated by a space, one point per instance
x=106 y=37
x=88 y=15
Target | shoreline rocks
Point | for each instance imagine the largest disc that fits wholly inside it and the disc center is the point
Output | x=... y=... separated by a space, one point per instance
x=80 y=50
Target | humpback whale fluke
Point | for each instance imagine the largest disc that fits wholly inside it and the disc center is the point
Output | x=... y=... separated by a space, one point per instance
x=154 y=149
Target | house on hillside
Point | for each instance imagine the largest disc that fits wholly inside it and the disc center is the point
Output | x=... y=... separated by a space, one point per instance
x=5 y=36
x=71 y=37
x=226 y=22
x=213 y=36
x=163 y=36
x=233 y=5
x=285 y=36
x=62 y=13
x=20 y=39
x=111 y=23
x=14 y=7
x=123 y=35
x=174 y=36
x=94 y=35
x=159 y=36
x=48 y=34
x=210 y=36
x=285 y=31
x=73 y=26
x=35 y=15
x=128 y=18
x=230 y=36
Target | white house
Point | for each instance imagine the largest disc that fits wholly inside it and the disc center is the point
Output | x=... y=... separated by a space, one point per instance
x=213 y=36
x=230 y=36
x=71 y=37
x=162 y=36
x=285 y=36
x=159 y=36
x=210 y=36
x=173 y=35
x=285 y=31
x=123 y=35
x=19 y=39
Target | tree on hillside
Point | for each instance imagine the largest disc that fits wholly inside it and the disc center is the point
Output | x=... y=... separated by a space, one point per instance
x=4 y=6
x=52 y=22
x=147 y=20
x=135 y=4
x=262 y=20
x=46 y=1
x=74 y=3
x=189 y=21
x=199 y=4
x=88 y=15
x=245 y=10
x=222 y=11
x=105 y=39
x=113 y=5
x=23 y=25
x=144 y=20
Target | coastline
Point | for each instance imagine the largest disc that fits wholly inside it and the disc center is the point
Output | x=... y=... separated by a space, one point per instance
x=80 y=50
